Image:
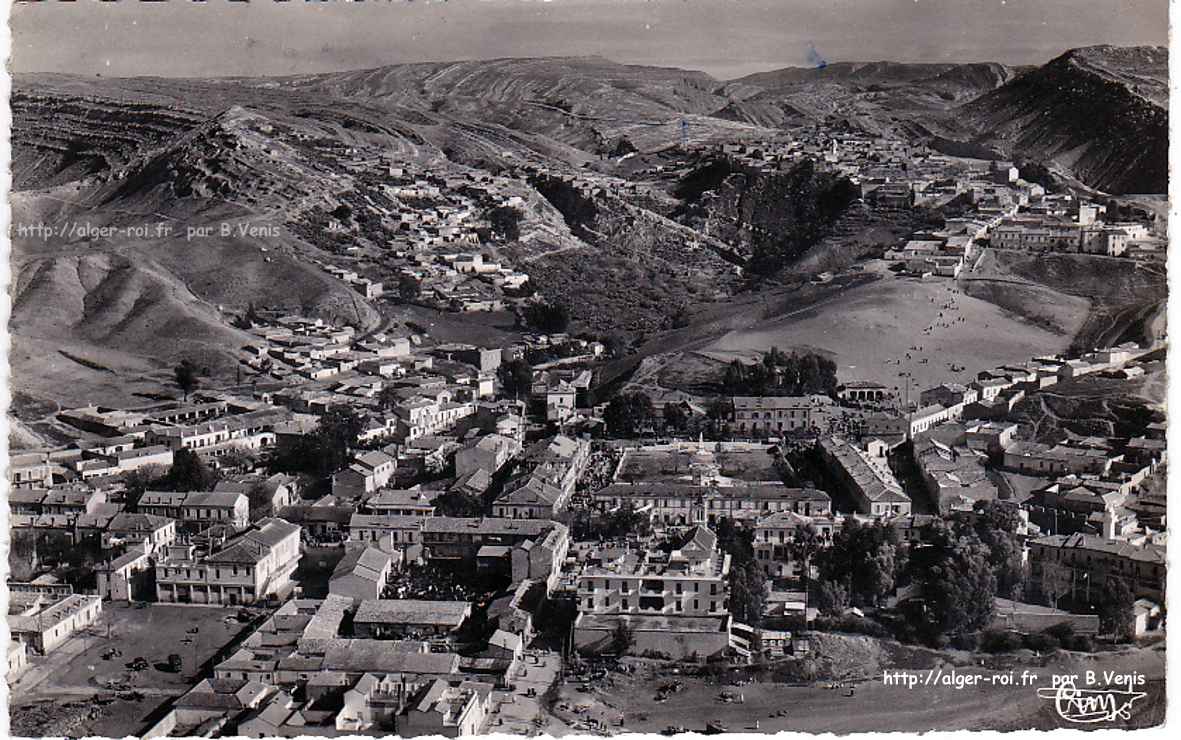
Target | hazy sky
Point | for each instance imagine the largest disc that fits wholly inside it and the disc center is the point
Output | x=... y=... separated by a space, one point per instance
x=726 y=38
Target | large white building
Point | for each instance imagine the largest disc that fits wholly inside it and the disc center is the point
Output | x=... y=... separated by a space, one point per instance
x=247 y=569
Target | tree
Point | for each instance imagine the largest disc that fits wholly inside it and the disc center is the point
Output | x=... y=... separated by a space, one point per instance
x=628 y=414
x=804 y=546
x=748 y=593
x=409 y=288
x=956 y=582
x=548 y=318
x=516 y=378
x=832 y=598
x=237 y=458
x=190 y=473
x=336 y=437
x=186 y=377
x=137 y=481
x=675 y=417
x=1116 y=609
x=262 y=502
x=864 y=559
x=388 y=398
x=459 y=504
x=996 y=525
x=505 y=222
x=623 y=638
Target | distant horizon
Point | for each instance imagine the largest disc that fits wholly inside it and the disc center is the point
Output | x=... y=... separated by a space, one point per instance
x=828 y=63
x=726 y=40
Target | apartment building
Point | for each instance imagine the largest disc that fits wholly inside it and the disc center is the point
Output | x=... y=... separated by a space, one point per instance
x=756 y=416
x=1080 y=565
x=866 y=475
x=197 y=510
x=689 y=581
x=683 y=504
x=249 y=568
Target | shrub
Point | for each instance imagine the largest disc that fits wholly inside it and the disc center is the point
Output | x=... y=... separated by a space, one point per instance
x=1063 y=632
x=1082 y=643
x=851 y=623
x=999 y=641
x=1042 y=642
x=966 y=641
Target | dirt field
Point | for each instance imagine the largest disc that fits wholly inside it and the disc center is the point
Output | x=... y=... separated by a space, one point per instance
x=873 y=332
x=153 y=632
x=875 y=706
x=484 y=329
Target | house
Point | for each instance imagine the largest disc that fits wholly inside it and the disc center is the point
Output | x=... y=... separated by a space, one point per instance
x=126 y=577
x=43 y=621
x=29 y=470
x=685 y=592
x=991 y=437
x=528 y=498
x=489 y=453
x=862 y=391
x=401 y=502
x=951 y=396
x=319 y=521
x=443 y=709
x=687 y=504
x=278 y=490
x=152 y=531
x=362 y=573
x=366 y=474
x=252 y=567
x=1052 y=460
x=774 y=540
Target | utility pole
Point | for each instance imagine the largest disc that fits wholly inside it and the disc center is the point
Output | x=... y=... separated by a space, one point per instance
x=906 y=400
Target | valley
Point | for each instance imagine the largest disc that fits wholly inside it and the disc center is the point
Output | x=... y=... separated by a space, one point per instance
x=316 y=160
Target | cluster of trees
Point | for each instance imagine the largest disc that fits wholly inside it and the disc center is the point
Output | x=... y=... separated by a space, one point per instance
x=409 y=289
x=516 y=378
x=956 y=583
x=780 y=374
x=326 y=450
x=628 y=414
x=861 y=568
x=548 y=318
x=592 y=526
x=957 y=572
x=458 y=503
x=748 y=584
x=505 y=222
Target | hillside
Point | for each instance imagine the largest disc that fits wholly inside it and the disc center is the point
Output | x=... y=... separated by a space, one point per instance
x=635 y=234
x=1098 y=113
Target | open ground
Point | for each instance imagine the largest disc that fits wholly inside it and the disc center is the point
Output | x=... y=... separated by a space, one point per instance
x=77 y=672
x=875 y=706
x=873 y=332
